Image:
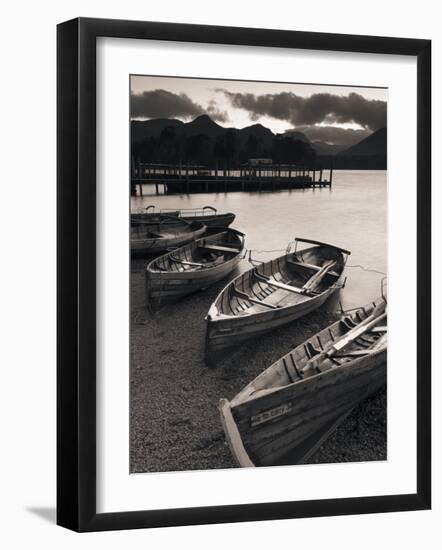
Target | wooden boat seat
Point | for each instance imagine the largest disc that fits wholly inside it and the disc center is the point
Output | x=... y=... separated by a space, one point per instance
x=245 y=296
x=195 y=264
x=310 y=266
x=274 y=282
x=218 y=248
x=185 y=262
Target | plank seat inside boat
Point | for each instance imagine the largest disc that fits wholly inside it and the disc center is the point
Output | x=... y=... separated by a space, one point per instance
x=186 y=262
x=219 y=248
x=276 y=299
x=200 y=265
x=310 y=266
x=281 y=285
x=252 y=300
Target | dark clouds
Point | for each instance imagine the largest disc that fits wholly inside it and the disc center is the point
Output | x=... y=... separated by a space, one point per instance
x=163 y=104
x=322 y=107
x=333 y=134
x=215 y=113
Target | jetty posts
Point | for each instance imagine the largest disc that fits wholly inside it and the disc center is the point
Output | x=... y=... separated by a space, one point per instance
x=261 y=175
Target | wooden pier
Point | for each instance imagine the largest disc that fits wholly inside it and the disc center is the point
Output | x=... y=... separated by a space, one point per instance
x=173 y=179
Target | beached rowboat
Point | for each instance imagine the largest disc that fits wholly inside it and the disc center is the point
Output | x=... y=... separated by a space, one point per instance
x=289 y=410
x=207 y=215
x=162 y=234
x=273 y=294
x=192 y=267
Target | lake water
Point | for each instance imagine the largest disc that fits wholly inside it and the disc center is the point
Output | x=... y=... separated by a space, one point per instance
x=352 y=215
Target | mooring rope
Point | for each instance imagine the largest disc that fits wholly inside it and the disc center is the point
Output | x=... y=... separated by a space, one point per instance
x=248 y=256
x=262 y=251
x=248 y=253
x=367 y=269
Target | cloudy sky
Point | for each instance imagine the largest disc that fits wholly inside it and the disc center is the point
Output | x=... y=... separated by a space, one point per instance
x=341 y=115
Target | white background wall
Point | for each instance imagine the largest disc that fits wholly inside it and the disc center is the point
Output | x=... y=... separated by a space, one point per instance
x=27 y=304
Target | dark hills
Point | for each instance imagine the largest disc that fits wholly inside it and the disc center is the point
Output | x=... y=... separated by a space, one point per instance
x=142 y=129
x=368 y=154
x=259 y=132
x=204 y=141
x=202 y=124
x=375 y=144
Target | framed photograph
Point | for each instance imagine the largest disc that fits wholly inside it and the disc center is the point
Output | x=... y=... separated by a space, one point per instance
x=235 y=222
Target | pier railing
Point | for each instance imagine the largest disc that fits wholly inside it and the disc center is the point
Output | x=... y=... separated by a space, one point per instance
x=170 y=179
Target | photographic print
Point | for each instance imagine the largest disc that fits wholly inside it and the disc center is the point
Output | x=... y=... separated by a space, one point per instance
x=258 y=236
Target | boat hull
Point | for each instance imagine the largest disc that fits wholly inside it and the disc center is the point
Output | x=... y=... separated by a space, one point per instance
x=149 y=247
x=219 y=220
x=193 y=267
x=165 y=288
x=273 y=294
x=215 y=220
x=227 y=333
x=292 y=407
x=305 y=412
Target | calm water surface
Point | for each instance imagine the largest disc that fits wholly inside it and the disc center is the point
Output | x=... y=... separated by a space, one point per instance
x=351 y=215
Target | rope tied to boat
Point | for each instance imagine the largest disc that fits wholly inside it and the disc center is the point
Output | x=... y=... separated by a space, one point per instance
x=248 y=254
x=368 y=270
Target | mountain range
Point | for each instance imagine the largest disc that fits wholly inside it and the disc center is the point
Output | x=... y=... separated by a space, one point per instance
x=368 y=153
x=203 y=124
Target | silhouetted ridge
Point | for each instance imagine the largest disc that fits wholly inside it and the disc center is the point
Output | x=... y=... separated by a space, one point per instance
x=204 y=141
x=375 y=144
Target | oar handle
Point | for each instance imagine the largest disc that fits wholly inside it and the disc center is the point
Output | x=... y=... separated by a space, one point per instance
x=345 y=340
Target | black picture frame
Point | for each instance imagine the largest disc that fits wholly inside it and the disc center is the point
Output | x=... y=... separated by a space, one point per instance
x=76 y=272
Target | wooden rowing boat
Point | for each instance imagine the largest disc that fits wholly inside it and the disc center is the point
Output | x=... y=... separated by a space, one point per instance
x=207 y=215
x=273 y=294
x=193 y=267
x=160 y=235
x=294 y=405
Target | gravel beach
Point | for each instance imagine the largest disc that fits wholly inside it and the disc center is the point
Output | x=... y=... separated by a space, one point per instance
x=174 y=396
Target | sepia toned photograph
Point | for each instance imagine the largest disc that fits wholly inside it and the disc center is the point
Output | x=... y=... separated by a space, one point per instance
x=258 y=238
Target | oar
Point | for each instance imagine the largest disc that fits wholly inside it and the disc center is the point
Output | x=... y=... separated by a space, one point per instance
x=353 y=334
x=377 y=346
x=350 y=337
x=314 y=281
